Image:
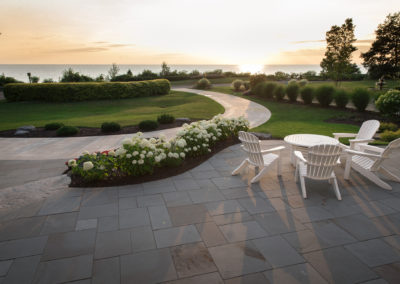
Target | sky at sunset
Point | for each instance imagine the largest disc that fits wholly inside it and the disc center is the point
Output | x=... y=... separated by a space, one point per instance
x=180 y=31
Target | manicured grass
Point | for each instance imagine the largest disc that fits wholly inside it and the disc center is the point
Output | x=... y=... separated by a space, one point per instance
x=94 y=113
x=226 y=80
x=291 y=119
x=350 y=85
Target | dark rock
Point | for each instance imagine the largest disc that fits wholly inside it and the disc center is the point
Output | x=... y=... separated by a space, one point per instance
x=27 y=128
x=21 y=132
x=183 y=119
x=262 y=136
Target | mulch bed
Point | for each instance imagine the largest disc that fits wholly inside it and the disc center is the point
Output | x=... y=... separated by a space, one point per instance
x=86 y=131
x=159 y=173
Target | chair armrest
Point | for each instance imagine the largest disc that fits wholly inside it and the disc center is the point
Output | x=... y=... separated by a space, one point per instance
x=355 y=141
x=343 y=135
x=358 y=153
x=372 y=148
x=299 y=156
x=279 y=148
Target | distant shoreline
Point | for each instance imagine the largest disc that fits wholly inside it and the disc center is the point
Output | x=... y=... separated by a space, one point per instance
x=54 y=71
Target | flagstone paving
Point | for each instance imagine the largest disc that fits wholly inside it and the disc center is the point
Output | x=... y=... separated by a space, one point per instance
x=204 y=226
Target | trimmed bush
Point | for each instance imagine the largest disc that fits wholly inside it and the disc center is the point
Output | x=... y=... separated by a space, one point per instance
x=292 y=81
x=67 y=131
x=246 y=85
x=258 y=90
x=324 y=95
x=387 y=126
x=108 y=127
x=279 y=93
x=148 y=125
x=389 y=103
x=67 y=92
x=203 y=84
x=341 y=98
x=292 y=91
x=242 y=88
x=360 y=98
x=307 y=95
x=53 y=126
x=256 y=79
x=269 y=89
x=237 y=84
x=165 y=118
x=303 y=82
x=389 y=136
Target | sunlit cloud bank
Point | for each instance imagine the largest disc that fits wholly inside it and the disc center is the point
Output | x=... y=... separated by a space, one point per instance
x=254 y=32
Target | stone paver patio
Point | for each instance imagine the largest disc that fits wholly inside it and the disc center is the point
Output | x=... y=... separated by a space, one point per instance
x=203 y=226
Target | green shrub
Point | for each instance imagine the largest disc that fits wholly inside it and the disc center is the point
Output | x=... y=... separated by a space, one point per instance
x=258 y=90
x=324 y=95
x=53 y=126
x=7 y=80
x=292 y=81
x=246 y=85
x=360 y=98
x=389 y=136
x=303 y=82
x=67 y=92
x=67 y=131
x=148 y=125
x=165 y=118
x=269 y=89
x=292 y=91
x=387 y=126
x=256 y=79
x=307 y=95
x=341 y=98
x=389 y=103
x=108 y=127
x=236 y=85
x=279 y=93
x=203 y=84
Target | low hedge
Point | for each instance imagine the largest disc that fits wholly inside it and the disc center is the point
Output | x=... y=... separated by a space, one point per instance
x=67 y=92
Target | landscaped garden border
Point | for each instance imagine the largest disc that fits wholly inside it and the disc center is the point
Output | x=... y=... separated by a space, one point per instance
x=140 y=159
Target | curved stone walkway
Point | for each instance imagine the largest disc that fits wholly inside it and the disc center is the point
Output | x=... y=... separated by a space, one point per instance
x=65 y=148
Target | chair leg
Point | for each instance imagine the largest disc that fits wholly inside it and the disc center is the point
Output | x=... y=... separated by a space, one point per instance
x=303 y=187
x=347 y=168
x=390 y=175
x=336 y=188
x=296 y=173
x=241 y=167
x=259 y=175
x=279 y=166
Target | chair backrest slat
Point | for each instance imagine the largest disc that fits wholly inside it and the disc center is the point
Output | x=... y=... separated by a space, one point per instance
x=321 y=160
x=394 y=145
x=368 y=129
x=251 y=145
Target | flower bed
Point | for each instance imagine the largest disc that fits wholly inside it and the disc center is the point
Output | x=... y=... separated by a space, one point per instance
x=138 y=158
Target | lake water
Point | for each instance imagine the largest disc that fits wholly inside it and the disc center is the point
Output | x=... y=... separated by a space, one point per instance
x=54 y=71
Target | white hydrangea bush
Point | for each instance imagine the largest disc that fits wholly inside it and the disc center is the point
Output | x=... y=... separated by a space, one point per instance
x=139 y=156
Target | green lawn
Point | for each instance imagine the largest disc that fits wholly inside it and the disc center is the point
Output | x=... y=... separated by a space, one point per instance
x=291 y=119
x=94 y=113
x=226 y=80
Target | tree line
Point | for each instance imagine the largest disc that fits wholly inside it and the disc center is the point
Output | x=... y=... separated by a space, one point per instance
x=381 y=60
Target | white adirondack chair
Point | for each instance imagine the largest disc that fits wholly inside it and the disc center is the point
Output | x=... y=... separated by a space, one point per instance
x=261 y=159
x=319 y=165
x=363 y=137
x=368 y=164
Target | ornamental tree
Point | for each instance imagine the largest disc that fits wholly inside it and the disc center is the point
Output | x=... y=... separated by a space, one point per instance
x=383 y=58
x=337 y=62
